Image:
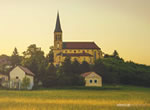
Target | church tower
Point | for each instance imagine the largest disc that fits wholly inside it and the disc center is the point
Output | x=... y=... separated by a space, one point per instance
x=58 y=34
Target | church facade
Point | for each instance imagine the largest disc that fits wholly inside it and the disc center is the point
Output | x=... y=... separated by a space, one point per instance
x=80 y=51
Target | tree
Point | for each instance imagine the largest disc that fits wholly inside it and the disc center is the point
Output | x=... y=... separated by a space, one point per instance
x=50 y=56
x=34 y=60
x=15 y=58
x=85 y=67
x=76 y=67
x=115 y=54
x=50 y=77
x=25 y=83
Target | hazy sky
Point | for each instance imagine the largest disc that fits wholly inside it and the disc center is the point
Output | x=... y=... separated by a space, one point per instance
x=123 y=25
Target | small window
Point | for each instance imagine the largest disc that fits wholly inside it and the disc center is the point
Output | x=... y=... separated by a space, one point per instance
x=90 y=81
x=17 y=77
x=83 y=51
x=74 y=51
x=95 y=81
x=66 y=51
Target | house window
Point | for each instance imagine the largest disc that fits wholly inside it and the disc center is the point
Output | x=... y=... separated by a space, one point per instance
x=95 y=81
x=17 y=77
x=90 y=81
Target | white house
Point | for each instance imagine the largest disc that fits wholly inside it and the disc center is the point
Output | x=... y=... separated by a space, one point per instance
x=17 y=75
x=92 y=79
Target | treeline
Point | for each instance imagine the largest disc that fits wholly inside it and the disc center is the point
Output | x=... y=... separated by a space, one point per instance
x=112 y=68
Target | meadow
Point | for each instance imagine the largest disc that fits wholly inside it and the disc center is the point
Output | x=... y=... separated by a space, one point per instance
x=77 y=98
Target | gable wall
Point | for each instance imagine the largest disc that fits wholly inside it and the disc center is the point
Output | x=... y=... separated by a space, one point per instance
x=93 y=77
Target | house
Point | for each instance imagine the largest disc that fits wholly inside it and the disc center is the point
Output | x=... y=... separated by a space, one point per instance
x=80 y=51
x=3 y=79
x=92 y=79
x=18 y=74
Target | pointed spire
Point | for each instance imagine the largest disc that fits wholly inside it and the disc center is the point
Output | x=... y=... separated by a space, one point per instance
x=58 y=26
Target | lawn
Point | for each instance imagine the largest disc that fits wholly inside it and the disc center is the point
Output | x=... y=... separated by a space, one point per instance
x=77 y=98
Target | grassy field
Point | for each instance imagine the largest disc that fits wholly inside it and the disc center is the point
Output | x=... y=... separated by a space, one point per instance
x=77 y=98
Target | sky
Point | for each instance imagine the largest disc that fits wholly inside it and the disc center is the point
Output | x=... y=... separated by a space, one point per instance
x=122 y=25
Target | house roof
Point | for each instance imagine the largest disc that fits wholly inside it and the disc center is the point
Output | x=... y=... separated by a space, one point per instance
x=80 y=45
x=74 y=54
x=27 y=71
x=87 y=73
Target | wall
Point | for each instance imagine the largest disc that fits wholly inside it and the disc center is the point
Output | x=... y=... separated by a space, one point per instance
x=89 y=59
x=93 y=77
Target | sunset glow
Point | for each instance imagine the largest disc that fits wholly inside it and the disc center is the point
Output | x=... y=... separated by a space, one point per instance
x=122 y=25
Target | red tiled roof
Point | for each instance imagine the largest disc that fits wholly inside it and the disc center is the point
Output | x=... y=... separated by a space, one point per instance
x=74 y=54
x=26 y=70
x=80 y=45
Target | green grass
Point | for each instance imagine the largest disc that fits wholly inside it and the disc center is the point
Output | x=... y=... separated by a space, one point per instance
x=77 y=98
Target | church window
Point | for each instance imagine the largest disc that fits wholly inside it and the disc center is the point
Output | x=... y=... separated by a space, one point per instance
x=83 y=51
x=90 y=60
x=58 y=45
x=74 y=51
x=66 y=51
x=95 y=55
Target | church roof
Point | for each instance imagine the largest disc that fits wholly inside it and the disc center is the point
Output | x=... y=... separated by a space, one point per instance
x=74 y=54
x=58 y=26
x=80 y=45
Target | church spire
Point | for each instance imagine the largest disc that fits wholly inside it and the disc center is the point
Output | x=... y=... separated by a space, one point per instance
x=58 y=26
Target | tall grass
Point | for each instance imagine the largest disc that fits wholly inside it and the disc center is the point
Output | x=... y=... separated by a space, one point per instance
x=106 y=98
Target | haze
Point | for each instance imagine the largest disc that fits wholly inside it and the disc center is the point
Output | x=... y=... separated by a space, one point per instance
x=122 y=25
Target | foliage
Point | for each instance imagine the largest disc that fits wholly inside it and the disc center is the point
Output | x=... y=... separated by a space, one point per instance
x=117 y=71
x=25 y=83
x=50 y=77
x=50 y=56
x=35 y=60
x=15 y=58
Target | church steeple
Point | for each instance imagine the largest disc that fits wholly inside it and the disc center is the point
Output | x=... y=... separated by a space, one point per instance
x=58 y=34
x=58 y=26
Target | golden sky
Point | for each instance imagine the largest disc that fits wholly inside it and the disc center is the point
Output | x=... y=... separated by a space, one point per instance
x=122 y=25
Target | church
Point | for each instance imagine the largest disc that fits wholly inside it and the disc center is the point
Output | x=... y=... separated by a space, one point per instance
x=80 y=51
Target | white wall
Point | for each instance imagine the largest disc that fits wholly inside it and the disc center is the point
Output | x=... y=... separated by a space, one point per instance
x=17 y=72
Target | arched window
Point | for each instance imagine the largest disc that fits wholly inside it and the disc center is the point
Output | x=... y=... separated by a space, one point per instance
x=58 y=45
